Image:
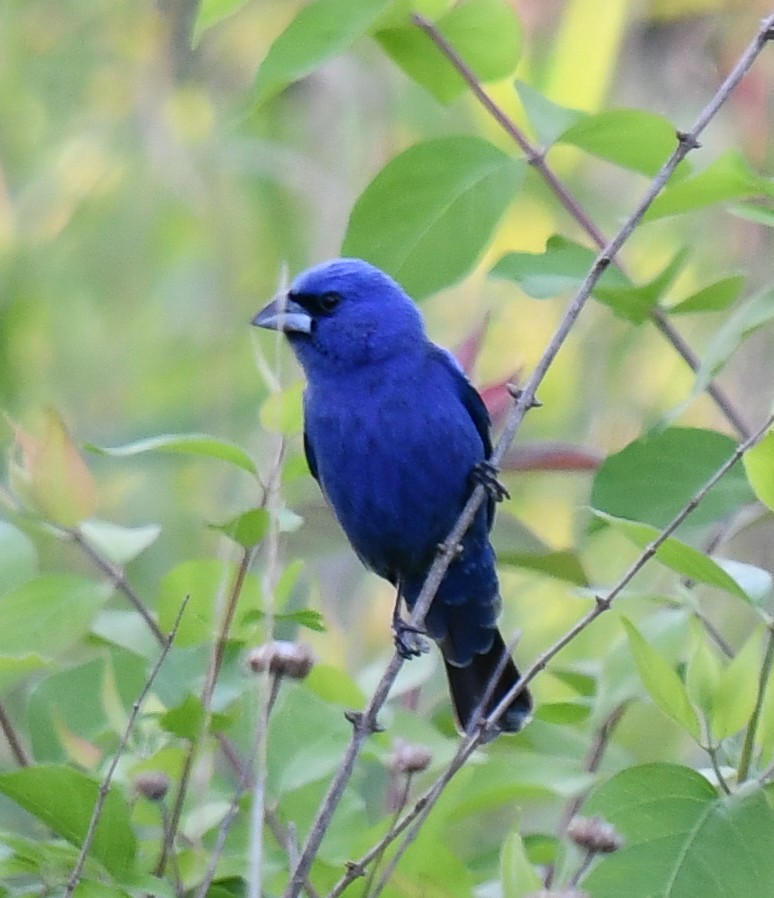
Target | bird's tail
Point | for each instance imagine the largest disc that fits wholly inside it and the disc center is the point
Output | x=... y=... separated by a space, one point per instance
x=470 y=684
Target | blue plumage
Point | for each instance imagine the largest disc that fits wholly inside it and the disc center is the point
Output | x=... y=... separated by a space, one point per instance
x=393 y=430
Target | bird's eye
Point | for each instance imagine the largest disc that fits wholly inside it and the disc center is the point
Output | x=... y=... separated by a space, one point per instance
x=329 y=301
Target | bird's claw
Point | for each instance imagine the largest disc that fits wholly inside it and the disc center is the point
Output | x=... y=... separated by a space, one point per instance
x=409 y=640
x=485 y=474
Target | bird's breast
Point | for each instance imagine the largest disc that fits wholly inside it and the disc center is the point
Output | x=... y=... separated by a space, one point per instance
x=395 y=468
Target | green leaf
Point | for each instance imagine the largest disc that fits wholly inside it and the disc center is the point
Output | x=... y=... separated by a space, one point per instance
x=740 y=324
x=759 y=214
x=45 y=616
x=682 y=840
x=663 y=685
x=635 y=302
x=211 y=12
x=631 y=138
x=562 y=713
x=63 y=799
x=199 y=444
x=74 y=699
x=117 y=543
x=18 y=558
x=307 y=739
x=548 y=119
x=205 y=582
x=678 y=556
x=485 y=33
x=248 y=528
x=561 y=268
x=702 y=673
x=712 y=298
x=655 y=476
x=737 y=690
x=729 y=177
x=429 y=214
x=321 y=30
x=186 y=719
x=334 y=685
x=517 y=875
x=561 y=564
x=759 y=467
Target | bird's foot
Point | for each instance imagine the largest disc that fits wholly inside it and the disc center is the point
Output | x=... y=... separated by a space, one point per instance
x=410 y=641
x=485 y=474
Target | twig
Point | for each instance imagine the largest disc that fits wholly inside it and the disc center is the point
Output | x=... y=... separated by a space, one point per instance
x=712 y=752
x=12 y=737
x=470 y=742
x=206 y=698
x=286 y=838
x=591 y=765
x=537 y=160
x=365 y=723
x=241 y=789
x=117 y=577
x=271 y=501
x=105 y=784
x=390 y=868
x=748 y=746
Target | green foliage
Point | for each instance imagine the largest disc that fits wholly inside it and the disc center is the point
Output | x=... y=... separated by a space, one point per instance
x=485 y=33
x=680 y=836
x=162 y=164
x=429 y=214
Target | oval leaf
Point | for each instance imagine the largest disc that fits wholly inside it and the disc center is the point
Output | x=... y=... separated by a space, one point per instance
x=682 y=840
x=63 y=798
x=319 y=31
x=663 y=685
x=759 y=466
x=653 y=477
x=200 y=444
x=429 y=214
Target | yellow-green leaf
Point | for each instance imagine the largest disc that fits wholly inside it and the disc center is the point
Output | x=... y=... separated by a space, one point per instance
x=663 y=685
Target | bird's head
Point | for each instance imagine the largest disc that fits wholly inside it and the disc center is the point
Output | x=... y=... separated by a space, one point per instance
x=344 y=313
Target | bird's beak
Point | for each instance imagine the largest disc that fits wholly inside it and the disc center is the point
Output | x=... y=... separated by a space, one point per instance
x=282 y=314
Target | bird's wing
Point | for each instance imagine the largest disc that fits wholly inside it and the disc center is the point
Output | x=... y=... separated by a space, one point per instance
x=469 y=396
x=474 y=405
x=310 y=459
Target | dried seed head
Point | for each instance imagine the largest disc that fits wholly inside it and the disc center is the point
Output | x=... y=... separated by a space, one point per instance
x=595 y=835
x=408 y=758
x=284 y=659
x=152 y=784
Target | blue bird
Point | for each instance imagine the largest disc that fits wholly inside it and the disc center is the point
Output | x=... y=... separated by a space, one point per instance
x=396 y=435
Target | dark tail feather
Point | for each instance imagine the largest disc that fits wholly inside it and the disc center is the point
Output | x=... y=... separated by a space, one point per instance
x=468 y=686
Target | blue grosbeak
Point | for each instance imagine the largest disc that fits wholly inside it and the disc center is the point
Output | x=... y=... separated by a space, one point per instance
x=394 y=433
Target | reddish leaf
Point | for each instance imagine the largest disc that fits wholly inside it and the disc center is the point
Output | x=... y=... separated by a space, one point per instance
x=551 y=456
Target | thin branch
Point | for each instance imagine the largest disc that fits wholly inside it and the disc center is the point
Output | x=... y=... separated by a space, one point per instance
x=712 y=752
x=365 y=723
x=206 y=697
x=242 y=787
x=537 y=160
x=118 y=579
x=591 y=765
x=271 y=501
x=104 y=787
x=12 y=737
x=745 y=759
x=389 y=870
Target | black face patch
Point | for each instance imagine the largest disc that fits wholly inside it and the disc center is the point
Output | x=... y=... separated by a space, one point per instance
x=317 y=304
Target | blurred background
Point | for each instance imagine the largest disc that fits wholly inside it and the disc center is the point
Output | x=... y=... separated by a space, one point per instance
x=147 y=212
